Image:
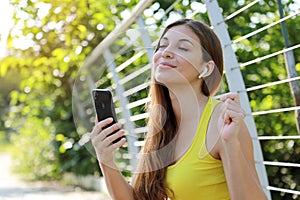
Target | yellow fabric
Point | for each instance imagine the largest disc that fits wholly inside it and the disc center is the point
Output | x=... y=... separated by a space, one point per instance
x=197 y=175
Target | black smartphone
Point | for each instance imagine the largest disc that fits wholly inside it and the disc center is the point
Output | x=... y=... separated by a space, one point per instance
x=104 y=106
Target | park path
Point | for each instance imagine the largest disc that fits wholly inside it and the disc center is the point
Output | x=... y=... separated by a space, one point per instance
x=11 y=188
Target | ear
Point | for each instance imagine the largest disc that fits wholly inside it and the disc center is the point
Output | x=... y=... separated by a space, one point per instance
x=210 y=65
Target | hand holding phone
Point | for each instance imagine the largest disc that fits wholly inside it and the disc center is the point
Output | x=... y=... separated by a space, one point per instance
x=104 y=107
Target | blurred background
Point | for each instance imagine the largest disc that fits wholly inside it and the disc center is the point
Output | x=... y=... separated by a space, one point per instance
x=45 y=50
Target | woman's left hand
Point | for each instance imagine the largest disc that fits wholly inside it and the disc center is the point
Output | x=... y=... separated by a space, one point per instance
x=231 y=118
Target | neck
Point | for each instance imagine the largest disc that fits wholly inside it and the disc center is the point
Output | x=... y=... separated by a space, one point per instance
x=187 y=102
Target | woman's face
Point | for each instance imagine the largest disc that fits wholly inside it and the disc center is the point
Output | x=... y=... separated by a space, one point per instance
x=178 y=59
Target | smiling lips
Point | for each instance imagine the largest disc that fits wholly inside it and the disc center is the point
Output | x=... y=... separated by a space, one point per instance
x=166 y=65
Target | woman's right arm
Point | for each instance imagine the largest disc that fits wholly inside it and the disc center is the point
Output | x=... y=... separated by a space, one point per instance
x=117 y=186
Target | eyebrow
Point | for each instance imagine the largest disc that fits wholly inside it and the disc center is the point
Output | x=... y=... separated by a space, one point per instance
x=181 y=40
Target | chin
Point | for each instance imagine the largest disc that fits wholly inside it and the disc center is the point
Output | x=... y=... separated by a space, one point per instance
x=162 y=80
x=165 y=77
x=168 y=82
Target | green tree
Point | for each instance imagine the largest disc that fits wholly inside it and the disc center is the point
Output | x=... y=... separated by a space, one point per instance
x=59 y=35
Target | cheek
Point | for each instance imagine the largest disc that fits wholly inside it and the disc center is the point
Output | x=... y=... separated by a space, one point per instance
x=190 y=63
x=195 y=62
x=156 y=57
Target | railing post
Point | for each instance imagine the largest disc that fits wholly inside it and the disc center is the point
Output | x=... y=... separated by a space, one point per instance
x=290 y=67
x=146 y=38
x=236 y=84
x=128 y=125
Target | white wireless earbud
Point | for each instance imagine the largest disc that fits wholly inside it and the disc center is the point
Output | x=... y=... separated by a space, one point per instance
x=205 y=70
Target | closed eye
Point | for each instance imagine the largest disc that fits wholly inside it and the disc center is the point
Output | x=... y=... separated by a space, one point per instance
x=161 y=47
x=182 y=48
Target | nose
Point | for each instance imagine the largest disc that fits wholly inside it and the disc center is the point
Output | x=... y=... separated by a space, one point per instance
x=167 y=53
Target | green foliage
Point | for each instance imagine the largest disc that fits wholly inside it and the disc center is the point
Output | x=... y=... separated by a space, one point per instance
x=34 y=150
x=62 y=34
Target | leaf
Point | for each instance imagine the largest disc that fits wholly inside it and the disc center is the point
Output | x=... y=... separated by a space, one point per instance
x=60 y=137
x=59 y=53
x=81 y=28
x=297 y=66
x=3 y=69
x=40 y=61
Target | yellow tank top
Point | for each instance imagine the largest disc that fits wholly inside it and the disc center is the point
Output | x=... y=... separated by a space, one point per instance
x=197 y=175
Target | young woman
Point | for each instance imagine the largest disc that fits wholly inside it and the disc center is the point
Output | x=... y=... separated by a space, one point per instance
x=196 y=147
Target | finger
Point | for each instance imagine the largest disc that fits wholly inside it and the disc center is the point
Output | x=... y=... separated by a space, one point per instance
x=227 y=118
x=232 y=96
x=96 y=120
x=110 y=129
x=117 y=145
x=101 y=142
x=224 y=116
x=229 y=95
x=235 y=116
x=234 y=107
x=230 y=104
x=231 y=110
x=237 y=99
x=111 y=138
x=99 y=126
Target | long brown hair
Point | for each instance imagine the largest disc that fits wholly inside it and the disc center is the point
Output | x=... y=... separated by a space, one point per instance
x=150 y=181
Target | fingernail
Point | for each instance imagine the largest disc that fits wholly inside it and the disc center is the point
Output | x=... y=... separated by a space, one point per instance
x=110 y=119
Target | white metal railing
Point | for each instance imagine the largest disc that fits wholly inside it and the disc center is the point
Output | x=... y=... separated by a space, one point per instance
x=273 y=84
x=265 y=27
x=276 y=110
x=269 y=56
x=232 y=15
x=279 y=137
x=283 y=190
x=118 y=73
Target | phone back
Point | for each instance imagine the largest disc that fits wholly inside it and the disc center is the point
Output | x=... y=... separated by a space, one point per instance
x=104 y=105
